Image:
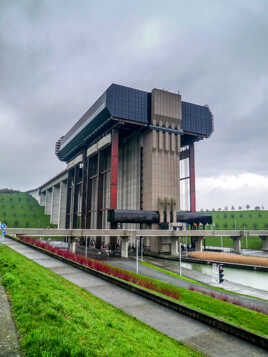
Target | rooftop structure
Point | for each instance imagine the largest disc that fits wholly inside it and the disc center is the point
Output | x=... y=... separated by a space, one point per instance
x=129 y=109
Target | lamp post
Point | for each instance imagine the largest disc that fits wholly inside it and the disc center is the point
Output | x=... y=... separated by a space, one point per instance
x=137 y=255
x=142 y=249
x=246 y=237
x=180 y=257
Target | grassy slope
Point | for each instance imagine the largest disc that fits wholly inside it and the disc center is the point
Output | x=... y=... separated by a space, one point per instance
x=251 y=219
x=248 y=319
x=22 y=210
x=57 y=318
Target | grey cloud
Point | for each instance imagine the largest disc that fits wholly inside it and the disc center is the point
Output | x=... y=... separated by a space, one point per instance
x=58 y=57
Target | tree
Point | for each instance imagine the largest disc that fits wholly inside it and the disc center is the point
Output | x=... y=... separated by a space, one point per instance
x=247 y=206
x=239 y=207
x=226 y=208
x=219 y=209
x=255 y=225
x=257 y=208
x=225 y=225
x=266 y=225
x=233 y=208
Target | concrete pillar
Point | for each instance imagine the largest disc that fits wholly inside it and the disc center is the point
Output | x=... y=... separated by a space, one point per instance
x=174 y=246
x=48 y=202
x=55 y=205
x=155 y=241
x=124 y=247
x=198 y=241
x=237 y=244
x=264 y=243
x=62 y=205
x=73 y=245
x=161 y=153
x=42 y=198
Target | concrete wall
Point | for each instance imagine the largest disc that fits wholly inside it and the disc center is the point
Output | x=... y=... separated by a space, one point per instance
x=129 y=174
x=161 y=153
x=161 y=159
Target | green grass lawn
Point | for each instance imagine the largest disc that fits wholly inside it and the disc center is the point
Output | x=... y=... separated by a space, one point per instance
x=22 y=210
x=56 y=318
x=240 y=220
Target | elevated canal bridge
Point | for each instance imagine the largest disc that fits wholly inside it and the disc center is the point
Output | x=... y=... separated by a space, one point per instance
x=172 y=236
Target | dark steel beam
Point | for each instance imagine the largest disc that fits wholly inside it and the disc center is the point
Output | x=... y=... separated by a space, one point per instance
x=192 y=178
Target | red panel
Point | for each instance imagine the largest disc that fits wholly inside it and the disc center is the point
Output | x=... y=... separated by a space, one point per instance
x=114 y=169
x=192 y=178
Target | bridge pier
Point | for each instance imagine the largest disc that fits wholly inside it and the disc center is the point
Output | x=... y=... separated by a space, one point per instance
x=198 y=243
x=237 y=243
x=124 y=247
x=174 y=246
x=73 y=245
x=264 y=243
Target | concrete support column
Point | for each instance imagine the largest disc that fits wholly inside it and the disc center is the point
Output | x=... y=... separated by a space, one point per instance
x=124 y=247
x=73 y=245
x=264 y=243
x=198 y=243
x=48 y=202
x=237 y=244
x=42 y=198
x=62 y=205
x=155 y=242
x=174 y=246
x=192 y=178
x=55 y=205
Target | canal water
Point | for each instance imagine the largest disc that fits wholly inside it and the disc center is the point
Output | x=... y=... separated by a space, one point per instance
x=252 y=278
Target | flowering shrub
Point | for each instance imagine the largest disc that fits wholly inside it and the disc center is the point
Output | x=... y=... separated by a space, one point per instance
x=226 y=298
x=105 y=268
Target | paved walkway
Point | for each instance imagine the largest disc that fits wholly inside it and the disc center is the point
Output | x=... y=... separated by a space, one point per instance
x=8 y=339
x=130 y=264
x=193 y=333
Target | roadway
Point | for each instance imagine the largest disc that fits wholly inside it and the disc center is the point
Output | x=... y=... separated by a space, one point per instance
x=193 y=333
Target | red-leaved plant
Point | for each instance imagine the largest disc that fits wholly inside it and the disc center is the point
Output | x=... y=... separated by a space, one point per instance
x=104 y=268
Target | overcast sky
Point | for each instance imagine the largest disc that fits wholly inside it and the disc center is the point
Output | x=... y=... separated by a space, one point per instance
x=57 y=57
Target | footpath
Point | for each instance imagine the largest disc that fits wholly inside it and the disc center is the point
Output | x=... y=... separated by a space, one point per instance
x=9 y=346
x=193 y=333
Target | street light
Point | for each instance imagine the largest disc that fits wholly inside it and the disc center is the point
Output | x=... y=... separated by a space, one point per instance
x=180 y=257
x=137 y=255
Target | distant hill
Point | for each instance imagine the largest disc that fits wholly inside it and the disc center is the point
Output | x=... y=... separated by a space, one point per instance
x=21 y=210
x=240 y=220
